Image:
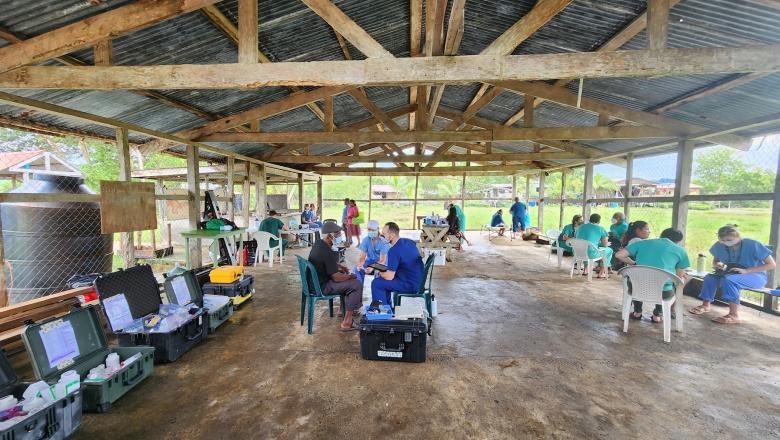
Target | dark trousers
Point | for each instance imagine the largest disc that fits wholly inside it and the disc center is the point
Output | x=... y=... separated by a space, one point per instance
x=658 y=310
x=350 y=290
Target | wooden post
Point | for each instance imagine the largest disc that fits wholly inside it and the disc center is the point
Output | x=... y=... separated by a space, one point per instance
x=629 y=184
x=774 y=240
x=514 y=187
x=561 y=218
x=527 y=189
x=540 y=203
x=657 y=24
x=125 y=170
x=682 y=185
x=301 y=199
x=245 y=193
x=193 y=211
x=247 y=31
x=13 y=182
x=230 y=188
x=414 y=206
x=261 y=190
x=320 y=198
x=463 y=193
x=370 y=194
x=587 y=192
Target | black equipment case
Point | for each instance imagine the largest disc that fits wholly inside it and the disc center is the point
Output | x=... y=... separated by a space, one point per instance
x=217 y=316
x=56 y=421
x=97 y=395
x=241 y=290
x=401 y=340
x=143 y=296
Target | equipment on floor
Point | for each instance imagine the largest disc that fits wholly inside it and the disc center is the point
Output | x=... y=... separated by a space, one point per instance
x=226 y=274
x=402 y=340
x=184 y=289
x=132 y=296
x=240 y=290
x=211 y=211
x=76 y=342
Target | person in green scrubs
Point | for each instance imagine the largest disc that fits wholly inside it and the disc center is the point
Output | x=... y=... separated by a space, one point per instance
x=462 y=220
x=666 y=254
x=618 y=227
x=597 y=235
x=272 y=224
x=568 y=232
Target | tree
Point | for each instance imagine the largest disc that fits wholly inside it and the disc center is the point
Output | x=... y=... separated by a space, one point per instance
x=721 y=171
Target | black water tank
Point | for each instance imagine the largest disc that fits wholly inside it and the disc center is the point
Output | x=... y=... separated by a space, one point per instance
x=47 y=243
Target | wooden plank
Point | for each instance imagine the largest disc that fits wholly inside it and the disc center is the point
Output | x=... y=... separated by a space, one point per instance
x=345 y=26
x=329 y=113
x=436 y=171
x=682 y=185
x=528 y=106
x=503 y=133
x=708 y=90
x=424 y=158
x=455 y=28
x=361 y=97
x=43 y=301
x=87 y=32
x=230 y=187
x=103 y=53
x=193 y=207
x=401 y=71
x=542 y=12
x=657 y=24
x=587 y=190
x=247 y=32
x=127 y=206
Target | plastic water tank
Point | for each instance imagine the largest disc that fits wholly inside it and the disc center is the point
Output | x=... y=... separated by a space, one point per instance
x=48 y=242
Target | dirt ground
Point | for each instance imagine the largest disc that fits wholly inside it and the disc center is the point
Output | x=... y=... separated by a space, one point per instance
x=519 y=350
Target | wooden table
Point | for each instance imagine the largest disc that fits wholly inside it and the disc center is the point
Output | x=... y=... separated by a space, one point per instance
x=435 y=236
x=206 y=234
x=420 y=218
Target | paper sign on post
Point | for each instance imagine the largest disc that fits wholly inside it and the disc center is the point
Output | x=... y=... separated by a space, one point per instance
x=118 y=312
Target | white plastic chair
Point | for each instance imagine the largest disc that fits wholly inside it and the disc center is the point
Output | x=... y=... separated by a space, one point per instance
x=264 y=244
x=553 y=234
x=581 y=255
x=647 y=285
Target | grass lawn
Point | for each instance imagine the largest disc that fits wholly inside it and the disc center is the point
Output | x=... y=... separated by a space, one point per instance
x=701 y=233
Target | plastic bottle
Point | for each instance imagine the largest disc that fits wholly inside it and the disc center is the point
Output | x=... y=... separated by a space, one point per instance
x=434 y=306
x=71 y=381
x=112 y=363
x=700 y=261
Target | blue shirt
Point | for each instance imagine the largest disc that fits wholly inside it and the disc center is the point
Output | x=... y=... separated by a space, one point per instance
x=344 y=215
x=404 y=259
x=518 y=210
x=661 y=253
x=593 y=233
x=496 y=220
x=373 y=249
x=752 y=253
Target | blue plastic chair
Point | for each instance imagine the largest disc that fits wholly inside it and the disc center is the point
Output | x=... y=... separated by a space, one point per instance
x=425 y=287
x=306 y=268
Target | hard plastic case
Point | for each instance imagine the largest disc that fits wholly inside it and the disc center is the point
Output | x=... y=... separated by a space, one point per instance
x=402 y=340
x=241 y=290
x=216 y=317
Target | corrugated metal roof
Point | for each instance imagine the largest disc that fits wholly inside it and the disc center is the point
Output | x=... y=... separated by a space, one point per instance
x=289 y=31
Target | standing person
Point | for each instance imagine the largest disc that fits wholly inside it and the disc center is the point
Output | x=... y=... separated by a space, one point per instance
x=568 y=232
x=637 y=231
x=742 y=263
x=404 y=267
x=334 y=278
x=666 y=254
x=497 y=221
x=273 y=225
x=518 y=211
x=597 y=235
x=344 y=225
x=354 y=228
x=372 y=250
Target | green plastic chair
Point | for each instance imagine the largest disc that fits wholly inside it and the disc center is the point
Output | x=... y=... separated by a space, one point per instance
x=305 y=267
x=425 y=287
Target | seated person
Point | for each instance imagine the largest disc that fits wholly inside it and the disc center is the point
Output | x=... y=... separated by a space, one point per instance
x=461 y=221
x=334 y=278
x=745 y=262
x=404 y=267
x=637 y=231
x=664 y=253
x=617 y=229
x=372 y=250
x=453 y=221
x=594 y=233
x=309 y=216
x=498 y=222
x=272 y=224
x=568 y=232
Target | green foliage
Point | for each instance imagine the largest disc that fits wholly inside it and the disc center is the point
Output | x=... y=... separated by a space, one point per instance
x=720 y=171
x=103 y=165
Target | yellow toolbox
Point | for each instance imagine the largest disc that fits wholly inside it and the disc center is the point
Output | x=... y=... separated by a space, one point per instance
x=226 y=274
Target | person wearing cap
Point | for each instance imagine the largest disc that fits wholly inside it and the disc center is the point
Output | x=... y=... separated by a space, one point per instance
x=404 y=266
x=741 y=263
x=372 y=250
x=334 y=278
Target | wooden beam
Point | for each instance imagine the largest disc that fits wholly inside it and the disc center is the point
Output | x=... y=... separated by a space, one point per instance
x=329 y=113
x=423 y=158
x=345 y=26
x=682 y=185
x=415 y=32
x=248 y=41
x=88 y=32
x=435 y=171
x=708 y=90
x=528 y=106
x=542 y=12
x=455 y=28
x=230 y=186
x=362 y=98
x=498 y=134
x=401 y=71
x=565 y=97
x=657 y=24
x=103 y=53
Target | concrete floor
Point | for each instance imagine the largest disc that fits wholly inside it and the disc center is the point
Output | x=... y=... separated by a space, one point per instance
x=518 y=351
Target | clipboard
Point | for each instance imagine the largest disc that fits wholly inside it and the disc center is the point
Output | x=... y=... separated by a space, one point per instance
x=378 y=266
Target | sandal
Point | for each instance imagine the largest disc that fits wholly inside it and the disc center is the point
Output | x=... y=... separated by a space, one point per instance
x=636 y=316
x=699 y=310
x=655 y=319
x=726 y=320
x=603 y=277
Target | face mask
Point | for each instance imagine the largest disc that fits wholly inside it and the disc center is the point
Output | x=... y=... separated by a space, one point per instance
x=373 y=234
x=729 y=243
x=384 y=240
x=614 y=221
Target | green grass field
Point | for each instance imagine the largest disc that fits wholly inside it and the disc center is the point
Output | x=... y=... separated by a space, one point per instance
x=701 y=233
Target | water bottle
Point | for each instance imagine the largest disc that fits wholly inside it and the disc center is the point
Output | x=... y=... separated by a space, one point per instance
x=434 y=306
x=700 y=263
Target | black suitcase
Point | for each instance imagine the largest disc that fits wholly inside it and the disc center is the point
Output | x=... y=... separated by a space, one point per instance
x=241 y=290
x=401 y=340
x=143 y=297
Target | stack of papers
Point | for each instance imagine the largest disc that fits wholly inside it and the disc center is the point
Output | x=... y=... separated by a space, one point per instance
x=410 y=309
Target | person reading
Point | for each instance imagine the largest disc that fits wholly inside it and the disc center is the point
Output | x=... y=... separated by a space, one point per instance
x=404 y=267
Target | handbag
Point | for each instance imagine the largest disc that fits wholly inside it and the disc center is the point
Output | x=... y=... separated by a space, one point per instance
x=358 y=219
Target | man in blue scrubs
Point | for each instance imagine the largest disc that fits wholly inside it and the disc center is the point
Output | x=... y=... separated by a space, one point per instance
x=372 y=250
x=518 y=210
x=404 y=267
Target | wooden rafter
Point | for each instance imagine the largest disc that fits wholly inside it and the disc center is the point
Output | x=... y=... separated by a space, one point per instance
x=436 y=171
x=350 y=30
x=708 y=90
x=454 y=36
x=408 y=158
x=87 y=32
x=248 y=41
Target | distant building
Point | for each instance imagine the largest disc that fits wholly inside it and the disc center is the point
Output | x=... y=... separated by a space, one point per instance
x=667 y=189
x=648 y=188
x=16 y=164
x=384 y=192
x=497 y=191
